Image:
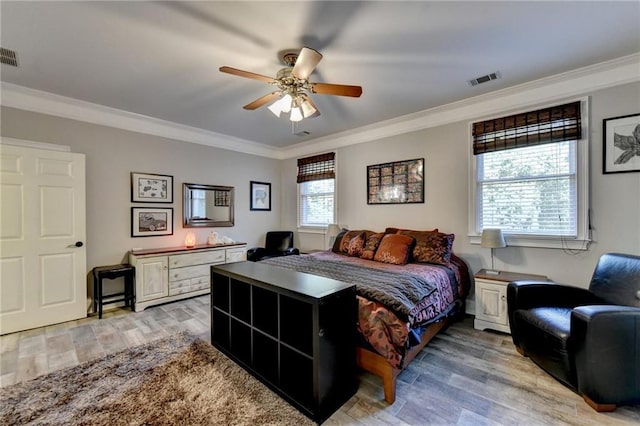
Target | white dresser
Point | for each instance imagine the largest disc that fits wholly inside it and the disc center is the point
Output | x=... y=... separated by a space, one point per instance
x=169 y=274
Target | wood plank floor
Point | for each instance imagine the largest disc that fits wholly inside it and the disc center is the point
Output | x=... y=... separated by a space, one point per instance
x=463 y=377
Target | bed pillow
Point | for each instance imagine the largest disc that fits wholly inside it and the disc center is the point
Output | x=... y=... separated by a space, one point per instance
x=346 y=239
x=371 y=245
x=432 y=247
x=394 y=248
x=356 y=244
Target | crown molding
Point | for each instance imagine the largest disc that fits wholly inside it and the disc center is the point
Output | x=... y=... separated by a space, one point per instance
x=569 y=84
x=572 y=83
x=24 y=98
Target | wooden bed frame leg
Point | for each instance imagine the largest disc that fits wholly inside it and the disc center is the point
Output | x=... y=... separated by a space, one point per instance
x=389 y=384
x=600 y=408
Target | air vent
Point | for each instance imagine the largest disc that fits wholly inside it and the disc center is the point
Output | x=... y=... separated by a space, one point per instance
x=8 y=57
x=485 y=78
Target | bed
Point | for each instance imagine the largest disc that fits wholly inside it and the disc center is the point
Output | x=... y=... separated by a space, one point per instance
x=409 y=285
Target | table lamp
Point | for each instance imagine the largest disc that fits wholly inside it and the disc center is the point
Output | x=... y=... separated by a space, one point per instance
x=492 y=238
x=332 y=232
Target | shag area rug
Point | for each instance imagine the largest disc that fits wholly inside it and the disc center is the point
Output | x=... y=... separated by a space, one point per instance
x=179 y=380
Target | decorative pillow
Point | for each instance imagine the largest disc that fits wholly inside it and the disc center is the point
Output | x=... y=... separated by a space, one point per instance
x=371 y=245
x=356 y=244
x=423 y=239
x=394 y=248
x=346 y=239
x=432 y=247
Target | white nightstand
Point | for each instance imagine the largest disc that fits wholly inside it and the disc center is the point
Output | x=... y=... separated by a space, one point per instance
x=491 y=298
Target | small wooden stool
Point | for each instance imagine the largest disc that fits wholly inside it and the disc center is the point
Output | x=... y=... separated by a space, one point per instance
x=111 y=272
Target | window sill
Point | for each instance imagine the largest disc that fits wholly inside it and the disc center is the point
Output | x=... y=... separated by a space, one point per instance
x=312 y=229
x=567 y=243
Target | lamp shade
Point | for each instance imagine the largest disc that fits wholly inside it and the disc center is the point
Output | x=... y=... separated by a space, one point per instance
x=492 y=238
x=333 y=230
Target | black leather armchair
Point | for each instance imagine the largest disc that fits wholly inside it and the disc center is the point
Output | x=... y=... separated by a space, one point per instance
x=277 y=243
x=587 y=339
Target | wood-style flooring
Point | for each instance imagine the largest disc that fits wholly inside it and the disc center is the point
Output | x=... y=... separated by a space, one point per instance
x=463 y=377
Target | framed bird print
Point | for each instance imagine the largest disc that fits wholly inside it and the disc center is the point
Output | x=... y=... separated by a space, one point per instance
x=621 y=144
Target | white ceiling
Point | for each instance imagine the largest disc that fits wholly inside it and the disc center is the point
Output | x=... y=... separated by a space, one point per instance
x=161 y=59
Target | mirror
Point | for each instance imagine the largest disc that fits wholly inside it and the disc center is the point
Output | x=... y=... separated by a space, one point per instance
x=207 y=205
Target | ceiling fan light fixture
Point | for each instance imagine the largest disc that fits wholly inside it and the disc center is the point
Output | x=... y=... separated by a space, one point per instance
x=281 y=105
x=307 y=109
x=296 y=114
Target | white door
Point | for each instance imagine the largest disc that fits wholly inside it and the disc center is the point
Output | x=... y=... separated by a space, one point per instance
x=42 y=236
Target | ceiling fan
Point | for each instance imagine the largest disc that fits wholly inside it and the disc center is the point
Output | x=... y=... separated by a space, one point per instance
x=294 y=87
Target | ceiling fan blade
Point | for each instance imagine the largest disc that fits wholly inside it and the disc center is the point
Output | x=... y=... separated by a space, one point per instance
x=336 y=89
x=247 y=74
x=263 y=100
x=305 y=64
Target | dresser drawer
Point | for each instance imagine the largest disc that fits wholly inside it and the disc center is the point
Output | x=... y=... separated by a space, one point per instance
x=198 y=258
x=236 y=255
x=190 y=272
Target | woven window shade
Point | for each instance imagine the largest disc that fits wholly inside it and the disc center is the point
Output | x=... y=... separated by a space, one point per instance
x=548 y=125
x=317 y=167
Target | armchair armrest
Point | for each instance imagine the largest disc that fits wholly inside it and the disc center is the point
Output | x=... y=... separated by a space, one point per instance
x=256 y=253
x=606 y=340
x=530 y=294
x=291 y=251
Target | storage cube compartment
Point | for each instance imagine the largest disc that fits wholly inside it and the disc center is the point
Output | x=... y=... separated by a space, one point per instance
x=296 y=324
x=296 y=375
x=240 y=300
x=220 y=291
x=265 y=358
x=241 y=341
x=265 y=311
x=220 y=328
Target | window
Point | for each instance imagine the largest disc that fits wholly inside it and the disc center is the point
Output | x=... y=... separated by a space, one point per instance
x=316 y=179
x=531 y=177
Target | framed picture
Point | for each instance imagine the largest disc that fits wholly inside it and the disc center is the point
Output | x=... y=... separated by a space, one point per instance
x=400 y=182
x=151 y=188
x=621 y=144
x=260 y=193
x=151 y=221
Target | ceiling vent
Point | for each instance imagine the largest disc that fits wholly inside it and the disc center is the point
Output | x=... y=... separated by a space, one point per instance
x=8 y=57
x=302 y=133
x=485 y=78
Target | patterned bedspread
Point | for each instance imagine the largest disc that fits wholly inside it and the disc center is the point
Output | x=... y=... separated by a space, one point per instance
x=394 y=301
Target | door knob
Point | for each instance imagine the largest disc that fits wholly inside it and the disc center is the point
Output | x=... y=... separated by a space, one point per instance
x=79 y=244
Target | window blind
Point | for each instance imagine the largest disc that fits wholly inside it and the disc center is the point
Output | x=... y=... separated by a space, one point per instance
x=548 y=125
x=529 y=190
x=317 y=167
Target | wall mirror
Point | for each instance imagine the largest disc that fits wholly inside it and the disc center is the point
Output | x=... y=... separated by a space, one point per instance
x=207 y=205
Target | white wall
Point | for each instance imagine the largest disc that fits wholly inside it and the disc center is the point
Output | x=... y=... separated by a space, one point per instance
x=112 y=154
x=615 y=198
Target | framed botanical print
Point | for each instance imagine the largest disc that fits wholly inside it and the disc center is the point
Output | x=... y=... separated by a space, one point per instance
x=151 y=188
x=621 y=144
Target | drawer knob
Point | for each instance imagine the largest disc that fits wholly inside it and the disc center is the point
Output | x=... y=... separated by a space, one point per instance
x=321 y=332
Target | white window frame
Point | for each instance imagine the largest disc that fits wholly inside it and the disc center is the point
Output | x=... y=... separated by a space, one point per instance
x=583 y=238
x=320 y=229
